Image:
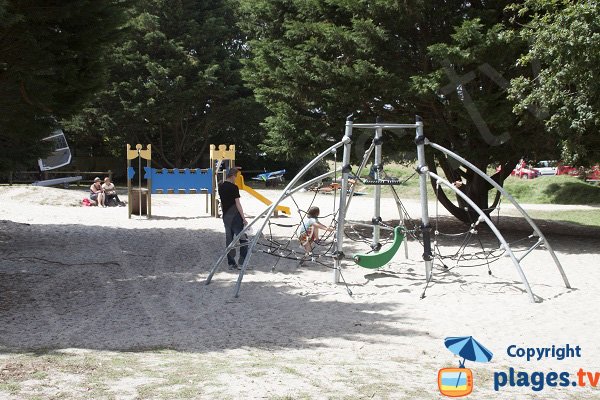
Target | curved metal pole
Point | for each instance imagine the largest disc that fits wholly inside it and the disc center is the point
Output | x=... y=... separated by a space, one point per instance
x=510 y=198
x=267 y=213
x=256 y=218
x=492 y=227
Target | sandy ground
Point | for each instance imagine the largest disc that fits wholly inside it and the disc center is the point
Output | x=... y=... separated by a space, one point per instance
x=96 y=305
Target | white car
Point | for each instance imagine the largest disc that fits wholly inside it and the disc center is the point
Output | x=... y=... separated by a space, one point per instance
x=546 y=167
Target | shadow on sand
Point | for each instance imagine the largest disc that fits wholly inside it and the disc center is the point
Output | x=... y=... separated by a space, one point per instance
x=69 y=286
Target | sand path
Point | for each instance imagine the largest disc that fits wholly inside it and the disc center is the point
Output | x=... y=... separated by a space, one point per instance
x=119 y=308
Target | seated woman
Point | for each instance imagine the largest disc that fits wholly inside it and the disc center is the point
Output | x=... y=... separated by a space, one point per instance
x=111 y=193
x=309 y=229
x=97 y=193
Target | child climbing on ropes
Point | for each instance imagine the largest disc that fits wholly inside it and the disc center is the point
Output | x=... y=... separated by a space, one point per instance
x=309 y=230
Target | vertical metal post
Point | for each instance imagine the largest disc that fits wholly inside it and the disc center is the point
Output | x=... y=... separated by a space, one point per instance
x=377 y=168
x=346 y=168
x=423 y=175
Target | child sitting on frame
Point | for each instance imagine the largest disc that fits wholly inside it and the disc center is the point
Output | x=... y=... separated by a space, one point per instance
x=309 y=229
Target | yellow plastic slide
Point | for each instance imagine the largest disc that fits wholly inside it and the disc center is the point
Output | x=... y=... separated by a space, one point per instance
x=239 y=181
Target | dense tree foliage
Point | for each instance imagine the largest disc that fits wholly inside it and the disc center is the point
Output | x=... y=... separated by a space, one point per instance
x=565 y=51
x=314 y=62
x=175 y=83
x=494 y=80
x=50 y=64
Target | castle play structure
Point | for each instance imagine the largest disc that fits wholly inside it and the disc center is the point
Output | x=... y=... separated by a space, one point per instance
x=183 y=181
x=332 y=246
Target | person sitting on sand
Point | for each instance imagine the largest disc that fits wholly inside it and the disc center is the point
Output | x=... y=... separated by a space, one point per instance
x=111 y=193
x=97 y=193
x=309 y=229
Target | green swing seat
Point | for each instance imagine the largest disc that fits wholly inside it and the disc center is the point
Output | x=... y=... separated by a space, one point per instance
x=378 y=260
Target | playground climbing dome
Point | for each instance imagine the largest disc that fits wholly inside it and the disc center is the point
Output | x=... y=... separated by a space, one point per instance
x=330 y=250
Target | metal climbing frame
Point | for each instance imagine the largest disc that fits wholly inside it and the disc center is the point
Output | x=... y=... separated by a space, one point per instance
x=428 y=257
x=345 y=198
x=537 y=231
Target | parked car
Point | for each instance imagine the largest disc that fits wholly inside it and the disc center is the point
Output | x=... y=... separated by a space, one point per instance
x=523 y=171
x=593 y=174
x=567 y=170
x=546 y=167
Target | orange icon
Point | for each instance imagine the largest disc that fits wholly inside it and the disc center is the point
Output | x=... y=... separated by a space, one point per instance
x=455 y=382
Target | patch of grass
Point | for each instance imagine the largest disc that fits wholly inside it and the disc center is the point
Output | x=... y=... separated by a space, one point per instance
x=553 y=190
x=542 y=190
x=257 y=374
x=39 y=375
x=587 y=218
x=378 y=389
x=298 y=396
x=10 y=387
x=291 y=371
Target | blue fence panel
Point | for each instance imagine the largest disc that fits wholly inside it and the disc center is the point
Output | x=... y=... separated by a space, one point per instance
x=176 y=180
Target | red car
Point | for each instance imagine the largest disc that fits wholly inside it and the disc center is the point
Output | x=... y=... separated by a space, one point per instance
x=590 y=174
x=524 y=172
x=567 y=170
x=593 y=174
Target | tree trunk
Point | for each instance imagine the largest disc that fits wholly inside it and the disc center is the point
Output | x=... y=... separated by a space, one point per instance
x=474 y=186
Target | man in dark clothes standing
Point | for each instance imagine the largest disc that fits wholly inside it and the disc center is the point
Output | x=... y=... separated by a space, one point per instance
x=233 y=216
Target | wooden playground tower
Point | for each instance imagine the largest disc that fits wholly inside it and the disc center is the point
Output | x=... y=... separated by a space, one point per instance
x=183 y=181
x=132 y=155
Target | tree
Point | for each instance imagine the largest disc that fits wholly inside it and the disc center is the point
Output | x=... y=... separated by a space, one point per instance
x=50 y=64
x=175 y=83
x=564 y=49
x=314 y=62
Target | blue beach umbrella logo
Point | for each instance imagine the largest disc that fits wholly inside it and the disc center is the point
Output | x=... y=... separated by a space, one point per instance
x=468 y=348
x=458 y=382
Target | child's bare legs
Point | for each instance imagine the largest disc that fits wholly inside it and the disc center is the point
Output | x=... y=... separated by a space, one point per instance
x=101 y=199
x=308 y=246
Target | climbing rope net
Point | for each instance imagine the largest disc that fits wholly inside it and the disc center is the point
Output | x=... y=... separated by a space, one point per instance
x=467 y=248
